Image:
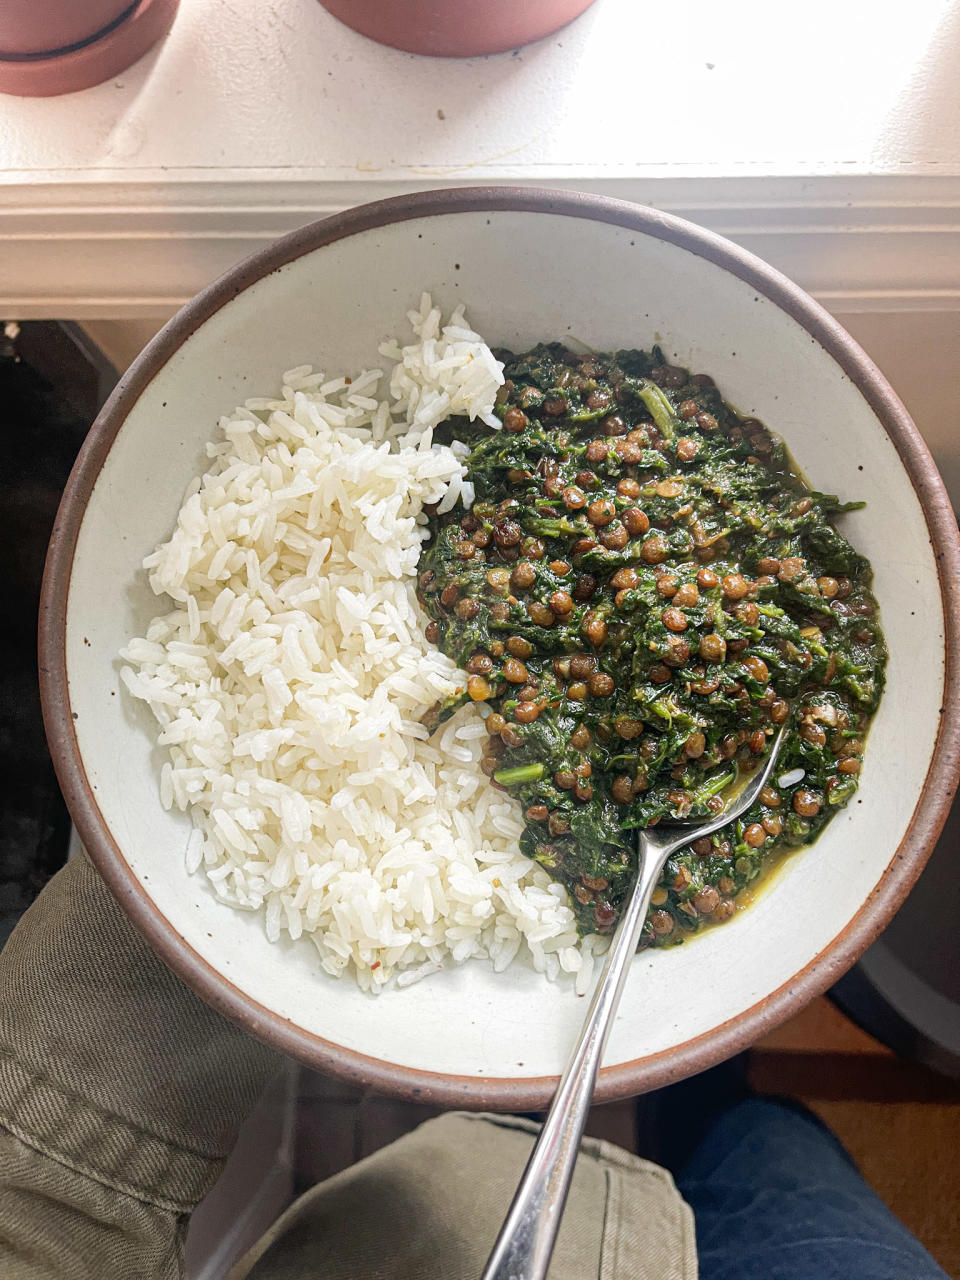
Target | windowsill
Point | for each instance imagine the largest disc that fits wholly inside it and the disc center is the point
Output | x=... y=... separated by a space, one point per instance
x=251 y=119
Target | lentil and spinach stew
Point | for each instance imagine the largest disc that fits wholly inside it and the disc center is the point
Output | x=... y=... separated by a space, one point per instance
x=643 y=590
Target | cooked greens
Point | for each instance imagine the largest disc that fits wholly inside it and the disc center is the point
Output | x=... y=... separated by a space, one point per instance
x=642 y=591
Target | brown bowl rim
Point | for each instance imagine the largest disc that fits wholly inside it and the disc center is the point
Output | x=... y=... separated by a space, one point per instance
x=502 y=1093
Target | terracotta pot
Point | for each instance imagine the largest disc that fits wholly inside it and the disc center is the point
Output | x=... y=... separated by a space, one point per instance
x=27 y=27
x=59 y=46
x=449 y=29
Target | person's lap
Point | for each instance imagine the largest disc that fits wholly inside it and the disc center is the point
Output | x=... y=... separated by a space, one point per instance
x=773 y=1193
x=776 y=1197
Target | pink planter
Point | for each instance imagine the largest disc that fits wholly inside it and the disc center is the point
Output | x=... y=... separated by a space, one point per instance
x=58 y=46
x=456 y=28
x=28 y=27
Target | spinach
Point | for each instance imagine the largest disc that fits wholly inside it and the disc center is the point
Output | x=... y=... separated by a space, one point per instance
x=639 y=642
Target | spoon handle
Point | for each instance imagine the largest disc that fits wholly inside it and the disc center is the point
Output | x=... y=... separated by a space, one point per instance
x=527 y=1237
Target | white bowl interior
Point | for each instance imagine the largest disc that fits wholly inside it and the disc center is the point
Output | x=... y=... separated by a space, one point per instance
x=526 y=277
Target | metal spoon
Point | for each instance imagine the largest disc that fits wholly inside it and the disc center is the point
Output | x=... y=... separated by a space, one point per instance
x=525 y=1243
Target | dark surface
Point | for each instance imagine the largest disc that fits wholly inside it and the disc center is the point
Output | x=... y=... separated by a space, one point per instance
x=923 y=938
x=923 y=933
x=52 y=382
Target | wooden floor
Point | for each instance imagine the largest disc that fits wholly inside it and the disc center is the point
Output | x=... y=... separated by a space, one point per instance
x=899 y=1121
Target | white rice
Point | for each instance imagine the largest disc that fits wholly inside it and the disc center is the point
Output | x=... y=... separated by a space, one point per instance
x=289 y=675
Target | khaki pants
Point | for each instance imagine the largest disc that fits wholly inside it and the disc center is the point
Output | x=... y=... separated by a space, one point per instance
x=121 y=1095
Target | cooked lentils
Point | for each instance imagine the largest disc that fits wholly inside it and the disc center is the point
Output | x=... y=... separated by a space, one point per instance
x=643 y=590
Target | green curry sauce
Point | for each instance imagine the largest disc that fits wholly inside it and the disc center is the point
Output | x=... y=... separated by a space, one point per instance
x=642 y=591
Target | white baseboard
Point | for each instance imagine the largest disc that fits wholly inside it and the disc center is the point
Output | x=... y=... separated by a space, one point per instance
x=138 y=249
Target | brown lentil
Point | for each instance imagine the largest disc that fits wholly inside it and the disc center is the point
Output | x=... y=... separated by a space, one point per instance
x=582 y=666
x=595 y=629
x=624 y=579
x=523 y=575
x=806 y=803
x=601 y=685
x=687 y=596
x=614 y=537
x=518 y=647
x=614 y=425
x=757 y=668
x=629 y=451
x=466 y=608
x=734 y=586
x=687 y=449
x=540 y=614
x=706 y=900
x=654 y=550
x=661 y=922
x=636 y=522
x=622 y=789
x=628 y=728
x=790 y=568
x=600 y=512
x=712 y=647
x=507 y=533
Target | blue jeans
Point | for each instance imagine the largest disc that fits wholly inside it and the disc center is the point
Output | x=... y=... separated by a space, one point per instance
x=776 y=1197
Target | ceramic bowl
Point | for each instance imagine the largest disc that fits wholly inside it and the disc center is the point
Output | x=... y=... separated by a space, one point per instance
x=531 y=265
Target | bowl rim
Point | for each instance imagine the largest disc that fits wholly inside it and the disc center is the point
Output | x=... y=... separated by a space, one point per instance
x=504 y=1093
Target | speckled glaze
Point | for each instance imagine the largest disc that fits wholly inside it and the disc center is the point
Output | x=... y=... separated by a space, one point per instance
x=328 y=294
